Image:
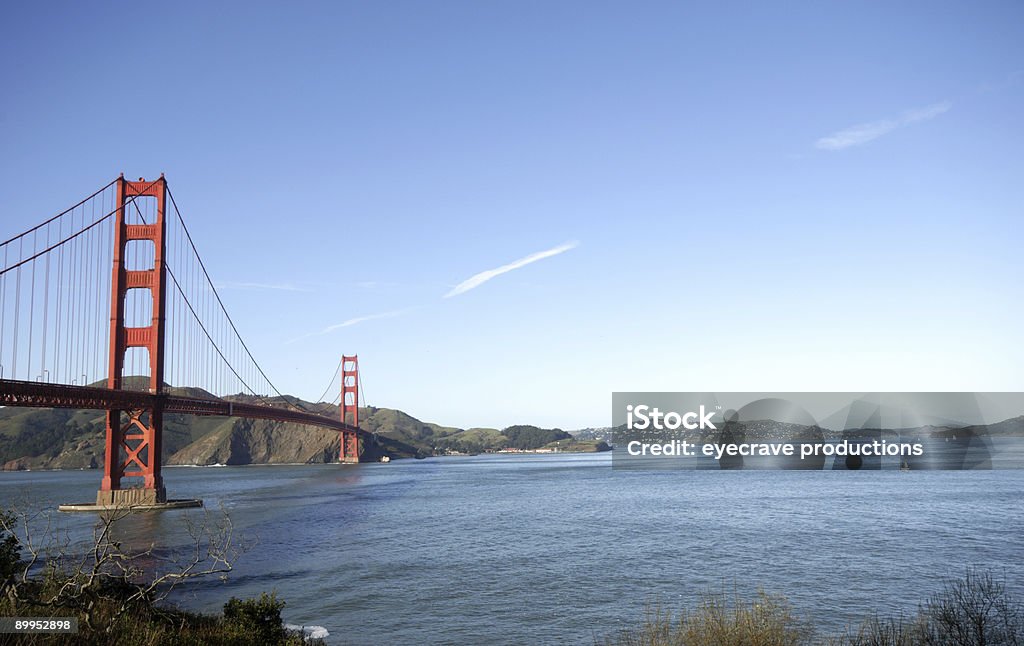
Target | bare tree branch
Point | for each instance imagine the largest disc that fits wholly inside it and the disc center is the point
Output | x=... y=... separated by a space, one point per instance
x=109 y=572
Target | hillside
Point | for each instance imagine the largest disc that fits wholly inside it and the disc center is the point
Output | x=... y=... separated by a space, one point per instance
x=478 y=440
x=45 y=438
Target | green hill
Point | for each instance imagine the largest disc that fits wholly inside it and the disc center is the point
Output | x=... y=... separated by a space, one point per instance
x=523 y=437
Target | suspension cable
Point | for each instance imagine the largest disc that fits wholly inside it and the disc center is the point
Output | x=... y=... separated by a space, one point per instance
x=64 y=212
x=326 y=390
x=69 y=238
x=224 y=309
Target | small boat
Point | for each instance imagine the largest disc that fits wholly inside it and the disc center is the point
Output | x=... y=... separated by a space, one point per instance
x=385 y=458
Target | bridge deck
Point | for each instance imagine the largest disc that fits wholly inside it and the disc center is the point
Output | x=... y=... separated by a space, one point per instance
x=44 y=395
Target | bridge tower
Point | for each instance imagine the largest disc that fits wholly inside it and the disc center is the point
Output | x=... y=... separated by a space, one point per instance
x=349 y=404
x=134 y=437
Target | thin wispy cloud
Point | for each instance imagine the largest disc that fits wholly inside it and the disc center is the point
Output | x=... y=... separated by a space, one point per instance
x=928 y=112
x=283 y=287
x=856 y=135
x=476 y=280
x=349 y=323
x=863 y=133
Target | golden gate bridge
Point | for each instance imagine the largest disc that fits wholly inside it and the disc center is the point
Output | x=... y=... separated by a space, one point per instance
x=106 y=305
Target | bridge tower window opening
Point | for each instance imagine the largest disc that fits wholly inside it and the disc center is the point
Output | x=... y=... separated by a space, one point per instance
x=139 y=255
x=138 y=307
x=136 y=370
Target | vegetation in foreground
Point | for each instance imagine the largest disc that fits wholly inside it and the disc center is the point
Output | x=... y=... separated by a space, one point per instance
x=118 y=600
x=976 y=610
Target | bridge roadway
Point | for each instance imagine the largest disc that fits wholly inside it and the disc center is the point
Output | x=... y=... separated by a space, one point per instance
x=44 y=395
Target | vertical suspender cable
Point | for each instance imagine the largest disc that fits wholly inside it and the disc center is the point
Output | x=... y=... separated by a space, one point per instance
x=60 y=301
x=17 y=308
x=46 y=309
x=31 y=311
x=3 y=311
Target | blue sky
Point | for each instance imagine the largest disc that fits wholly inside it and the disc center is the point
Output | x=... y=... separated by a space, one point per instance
x=827 y=197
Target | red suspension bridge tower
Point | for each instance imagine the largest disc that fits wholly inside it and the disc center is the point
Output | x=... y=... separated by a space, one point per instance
x=349 y=404
x=133 y=441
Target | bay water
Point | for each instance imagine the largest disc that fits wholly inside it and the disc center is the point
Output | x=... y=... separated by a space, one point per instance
x=513 y=549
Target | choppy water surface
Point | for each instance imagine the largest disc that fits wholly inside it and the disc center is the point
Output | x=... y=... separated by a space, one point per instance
x=561 y=548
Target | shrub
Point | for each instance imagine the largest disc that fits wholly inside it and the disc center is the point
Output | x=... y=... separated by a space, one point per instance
x=973 y=611
x=257 y=619
x=766 y=621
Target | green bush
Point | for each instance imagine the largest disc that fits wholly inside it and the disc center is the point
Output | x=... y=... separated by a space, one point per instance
x=258 y=619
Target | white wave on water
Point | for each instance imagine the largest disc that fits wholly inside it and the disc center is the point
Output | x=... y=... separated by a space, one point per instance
x=309 y=632
x=192 y=466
